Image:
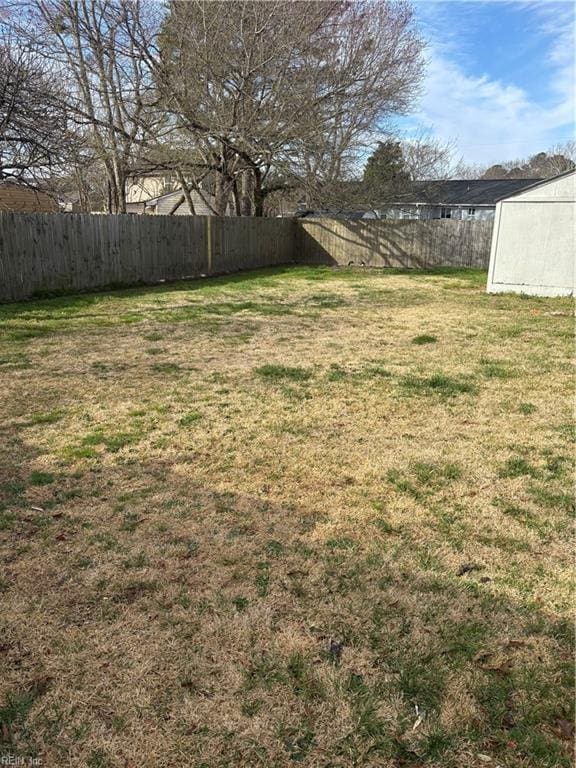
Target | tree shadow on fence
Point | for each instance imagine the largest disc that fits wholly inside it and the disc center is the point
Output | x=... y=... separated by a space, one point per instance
x=400 y=244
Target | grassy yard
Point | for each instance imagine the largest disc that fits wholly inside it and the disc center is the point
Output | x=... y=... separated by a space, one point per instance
x=295 y=517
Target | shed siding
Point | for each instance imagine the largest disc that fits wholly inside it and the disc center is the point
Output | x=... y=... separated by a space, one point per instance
x=534 y=241
x=562 y=188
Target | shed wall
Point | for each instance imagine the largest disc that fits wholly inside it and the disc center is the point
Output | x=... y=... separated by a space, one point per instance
x=534 y=242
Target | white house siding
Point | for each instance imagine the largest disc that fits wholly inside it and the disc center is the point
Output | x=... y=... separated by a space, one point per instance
x=534 y=240
x=165 y=205
x=142 y=188
x=425 y=212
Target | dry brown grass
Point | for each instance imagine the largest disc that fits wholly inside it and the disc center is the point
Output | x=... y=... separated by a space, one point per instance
x=252 y=522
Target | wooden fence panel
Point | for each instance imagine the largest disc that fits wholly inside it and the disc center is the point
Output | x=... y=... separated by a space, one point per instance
x=43 y=253
x=394 y=243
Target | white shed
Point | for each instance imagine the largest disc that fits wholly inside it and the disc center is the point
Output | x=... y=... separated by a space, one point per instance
x=534 y=240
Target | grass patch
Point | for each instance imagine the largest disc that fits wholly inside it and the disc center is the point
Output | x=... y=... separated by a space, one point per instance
x=240 y=603
x=527 y=408
x=42 y=478
x=16 y=709
x=166 y=368
x=337 y=373
x=439 y=384
x=517 y=466
x=496 y=369
x=424 y=338
x=190 y=418
x=283 y=373
x=110 y=441
x=47 y=417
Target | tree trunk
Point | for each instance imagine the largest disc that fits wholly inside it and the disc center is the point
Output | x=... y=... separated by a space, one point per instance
x=120 y=187
x=185 y=191
x=224 y=185
x=237 y=199
x=247 y=194
x=113 y=201
x=258 y=193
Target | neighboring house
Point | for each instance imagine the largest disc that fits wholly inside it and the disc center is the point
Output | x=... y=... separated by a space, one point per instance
x=146 y=186
x=326 y=213
x=22 y=199
x=459 y=199
x=161 y=194
x=534 y=239
x=175 y=204
x=70 y=202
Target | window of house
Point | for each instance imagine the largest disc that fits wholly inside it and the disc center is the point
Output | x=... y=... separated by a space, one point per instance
x=446 y=213
x=471 y=212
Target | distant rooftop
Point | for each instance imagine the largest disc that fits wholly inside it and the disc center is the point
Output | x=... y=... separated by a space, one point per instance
x=463 y=191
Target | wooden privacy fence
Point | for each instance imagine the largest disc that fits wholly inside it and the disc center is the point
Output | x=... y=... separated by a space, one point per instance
x=390 y=243
x=43 y=253
x=63 y=252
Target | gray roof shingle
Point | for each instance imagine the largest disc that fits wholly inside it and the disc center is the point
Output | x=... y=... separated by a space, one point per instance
x=463 y=191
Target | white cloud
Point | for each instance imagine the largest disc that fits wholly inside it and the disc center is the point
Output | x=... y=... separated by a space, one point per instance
x=491 y=120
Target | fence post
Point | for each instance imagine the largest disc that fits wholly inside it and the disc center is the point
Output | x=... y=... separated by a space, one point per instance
x=209 y=243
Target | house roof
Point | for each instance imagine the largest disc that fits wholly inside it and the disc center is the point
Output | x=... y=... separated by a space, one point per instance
x=327 y=214
x=175 y=194
x=463 y=191
x=23 y=199
x=154 y=200
x=540 y=183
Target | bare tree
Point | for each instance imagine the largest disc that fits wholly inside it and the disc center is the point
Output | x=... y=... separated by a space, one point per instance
x=35 y=139
x=243 y=98
x=280 y=93
x=558 y=159
x=426 y=157
x=109 y=91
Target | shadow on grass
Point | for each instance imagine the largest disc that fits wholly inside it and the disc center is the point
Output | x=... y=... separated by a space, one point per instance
x=419 y=637
x=75 y=304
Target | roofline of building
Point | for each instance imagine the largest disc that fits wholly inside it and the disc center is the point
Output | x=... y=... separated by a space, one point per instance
x=154 y=200
x=444 y=204
x=431 y=183
x=537 y=184
x=443 y=181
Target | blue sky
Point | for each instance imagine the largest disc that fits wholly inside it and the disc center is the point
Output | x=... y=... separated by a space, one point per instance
x=500 y=79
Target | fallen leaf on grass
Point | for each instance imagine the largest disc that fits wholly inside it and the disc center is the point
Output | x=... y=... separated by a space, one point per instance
x=467 y=567
x=511 y=744
x=565 y=729
x=500 y=668
x=335 y=650
x=498 y=665
x=514 y=643
x=508 y=720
